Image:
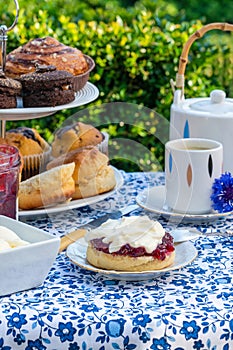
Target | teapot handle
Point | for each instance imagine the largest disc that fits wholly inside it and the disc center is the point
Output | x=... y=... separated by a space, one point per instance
x=184 y=55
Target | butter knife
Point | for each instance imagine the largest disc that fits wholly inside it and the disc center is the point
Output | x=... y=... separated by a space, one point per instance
x=80 y=232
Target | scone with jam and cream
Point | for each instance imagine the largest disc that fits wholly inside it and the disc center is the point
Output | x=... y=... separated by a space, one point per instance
x=134 y=243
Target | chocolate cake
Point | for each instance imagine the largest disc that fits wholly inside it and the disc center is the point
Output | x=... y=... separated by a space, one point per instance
x=47 y=87
x=9 y=89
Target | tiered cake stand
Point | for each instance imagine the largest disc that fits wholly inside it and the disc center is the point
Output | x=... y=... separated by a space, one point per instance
x=86 y=95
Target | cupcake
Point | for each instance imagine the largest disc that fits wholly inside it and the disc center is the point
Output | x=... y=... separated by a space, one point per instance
x=33 y=148
x=9 y=90
x=78 y=135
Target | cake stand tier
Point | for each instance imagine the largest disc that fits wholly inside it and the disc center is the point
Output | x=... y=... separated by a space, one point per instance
x=86 y=95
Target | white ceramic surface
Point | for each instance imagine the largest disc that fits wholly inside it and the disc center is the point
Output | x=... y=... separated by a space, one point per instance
x=78 y=203
x=26 y=267
x=185 y=254
x=205 y=117
x=154 y=199
x=87 y=94
x=191 y=166
x=182 y=235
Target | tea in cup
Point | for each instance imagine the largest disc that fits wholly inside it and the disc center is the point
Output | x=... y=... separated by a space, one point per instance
x=191 y=166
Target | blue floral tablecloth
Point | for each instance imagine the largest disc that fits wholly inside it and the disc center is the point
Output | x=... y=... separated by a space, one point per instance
x=191 y=308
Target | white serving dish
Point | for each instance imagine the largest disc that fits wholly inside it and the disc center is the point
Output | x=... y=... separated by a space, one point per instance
x=26 y=267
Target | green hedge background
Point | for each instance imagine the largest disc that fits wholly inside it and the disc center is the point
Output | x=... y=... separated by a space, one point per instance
x=136 y=48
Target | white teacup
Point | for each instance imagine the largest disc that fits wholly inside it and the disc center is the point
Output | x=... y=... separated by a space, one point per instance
x=191 y=166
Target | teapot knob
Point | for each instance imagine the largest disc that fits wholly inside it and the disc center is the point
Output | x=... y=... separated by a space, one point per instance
x=217 y=96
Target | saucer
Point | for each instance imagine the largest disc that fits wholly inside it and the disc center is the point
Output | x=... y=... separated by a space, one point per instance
x=153 y=199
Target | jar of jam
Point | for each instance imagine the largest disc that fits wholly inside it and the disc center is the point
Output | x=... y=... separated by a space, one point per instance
x=9 y=180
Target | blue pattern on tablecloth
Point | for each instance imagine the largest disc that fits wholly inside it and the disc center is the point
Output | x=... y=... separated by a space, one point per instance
x=77 y=309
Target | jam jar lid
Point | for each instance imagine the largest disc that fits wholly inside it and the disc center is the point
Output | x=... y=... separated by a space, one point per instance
x=216 y=104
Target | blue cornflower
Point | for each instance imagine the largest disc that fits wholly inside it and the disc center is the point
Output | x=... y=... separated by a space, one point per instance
x=222 y=193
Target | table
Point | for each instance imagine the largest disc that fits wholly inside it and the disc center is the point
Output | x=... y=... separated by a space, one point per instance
x=190 y=308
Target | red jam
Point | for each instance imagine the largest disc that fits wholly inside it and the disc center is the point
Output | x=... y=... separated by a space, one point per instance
x=9 y=180
x=160 y=253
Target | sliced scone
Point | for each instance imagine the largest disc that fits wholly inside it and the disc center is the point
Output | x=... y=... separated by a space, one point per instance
x=50 y=187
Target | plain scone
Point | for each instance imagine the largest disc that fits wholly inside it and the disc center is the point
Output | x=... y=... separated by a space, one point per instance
x=50 y=187
x=92 y=175
x=126 y=263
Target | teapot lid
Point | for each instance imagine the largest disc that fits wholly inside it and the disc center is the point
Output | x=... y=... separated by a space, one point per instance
x=217 y=103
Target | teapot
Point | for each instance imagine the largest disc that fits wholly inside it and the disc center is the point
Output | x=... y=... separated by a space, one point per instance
x=205 y=117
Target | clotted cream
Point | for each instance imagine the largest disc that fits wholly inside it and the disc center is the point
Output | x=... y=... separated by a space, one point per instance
x=138 y=231
x=9 y=239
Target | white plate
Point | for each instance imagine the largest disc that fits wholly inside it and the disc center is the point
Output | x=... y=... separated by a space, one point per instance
x=185 y=254
x=84 y=96
x=153 y=199
x=77 y=203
